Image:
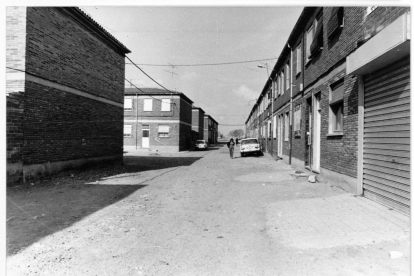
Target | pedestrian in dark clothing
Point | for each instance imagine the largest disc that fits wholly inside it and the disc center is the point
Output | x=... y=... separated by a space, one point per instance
x=237 y=141
x=230 y=145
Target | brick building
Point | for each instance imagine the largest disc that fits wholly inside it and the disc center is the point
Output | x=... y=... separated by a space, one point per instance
x=156 y=119
x=210 y=129
x=65 y=79
x=197 y=125
x=337 y=101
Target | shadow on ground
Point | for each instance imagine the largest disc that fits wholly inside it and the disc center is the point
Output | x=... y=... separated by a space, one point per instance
x=39 y=209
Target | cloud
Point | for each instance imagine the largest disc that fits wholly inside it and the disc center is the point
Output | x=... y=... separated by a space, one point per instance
x=246 y=92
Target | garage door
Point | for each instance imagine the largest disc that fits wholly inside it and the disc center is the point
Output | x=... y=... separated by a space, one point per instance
x=386 y=163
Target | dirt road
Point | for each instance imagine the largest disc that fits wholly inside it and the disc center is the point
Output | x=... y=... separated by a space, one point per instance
x=189 y=213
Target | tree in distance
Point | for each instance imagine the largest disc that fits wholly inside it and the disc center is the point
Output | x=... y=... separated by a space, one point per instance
x=237 y=133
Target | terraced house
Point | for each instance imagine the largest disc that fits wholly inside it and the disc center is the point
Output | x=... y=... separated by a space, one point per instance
x=157 y=119
x=65 y=80
x=337 y=102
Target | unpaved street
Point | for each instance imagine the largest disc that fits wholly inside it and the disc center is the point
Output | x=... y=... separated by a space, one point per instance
x=192 y=213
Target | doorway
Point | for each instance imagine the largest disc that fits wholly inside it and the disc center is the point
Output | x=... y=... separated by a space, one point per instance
x=316 y=133
x=145 y=137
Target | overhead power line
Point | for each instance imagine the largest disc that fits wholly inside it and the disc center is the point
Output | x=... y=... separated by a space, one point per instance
x=206 y=64
x=149 y=76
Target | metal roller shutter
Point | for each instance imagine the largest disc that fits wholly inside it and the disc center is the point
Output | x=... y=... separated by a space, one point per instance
x=386 y=163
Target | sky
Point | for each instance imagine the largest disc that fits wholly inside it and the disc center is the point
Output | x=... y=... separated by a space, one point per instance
x=177 y=35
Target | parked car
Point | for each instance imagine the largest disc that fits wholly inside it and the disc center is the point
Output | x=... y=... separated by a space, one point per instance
x=201 y=144
x=249 y=145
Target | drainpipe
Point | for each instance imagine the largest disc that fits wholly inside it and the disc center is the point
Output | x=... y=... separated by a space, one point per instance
x=291 y=106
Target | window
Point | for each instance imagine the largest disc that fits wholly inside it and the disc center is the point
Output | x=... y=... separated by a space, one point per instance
x=275 y=88
x=269 y=129
x=128 y=104
x=163 y=131
x=287 y=76
x=297 y=116
x=147 y=104
x=287 y=126
x=274 y=126
x=127 y=130
x=317 y=42
x=282 y=85
x=309 y=39
x=299 y=58
x=336 y=106
x=278 y=87
x=336 y=21
x=166 y=105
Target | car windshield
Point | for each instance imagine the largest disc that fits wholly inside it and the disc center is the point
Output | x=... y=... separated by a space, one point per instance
x=199 y=142
x=249 y=141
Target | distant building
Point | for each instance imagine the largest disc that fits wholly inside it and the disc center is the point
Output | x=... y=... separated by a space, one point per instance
x=210 y=129
x=197 y=123
x=65 y=81
x=156 y=119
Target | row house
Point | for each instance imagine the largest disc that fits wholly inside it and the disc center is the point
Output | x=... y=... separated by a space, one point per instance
x=64 y=86
x=197 y=125
x=210 y=129
x=340 y=101
x=157 y=119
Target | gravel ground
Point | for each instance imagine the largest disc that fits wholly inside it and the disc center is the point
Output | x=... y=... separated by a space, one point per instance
x=187 y=213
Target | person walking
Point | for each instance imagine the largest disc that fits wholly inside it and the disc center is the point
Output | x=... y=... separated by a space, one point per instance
x=230 y=145
x=237 y=141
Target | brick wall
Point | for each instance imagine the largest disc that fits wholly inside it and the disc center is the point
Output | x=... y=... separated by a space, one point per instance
x=62 y=126
x=339 y=153
x=16 y=48
x=337 y=48
x=58 y=47
x=380 y=18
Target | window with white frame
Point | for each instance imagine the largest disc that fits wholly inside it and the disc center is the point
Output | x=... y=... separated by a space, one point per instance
x=287 y=126
x=336 y=108
x=127 y=130
x=163 y=131
x=275 y=87
x=287 y=76
x=127 y=104
x=166 y=105
x=282 y=85
x=147 y=104
x=299 y=58
x=274 y=126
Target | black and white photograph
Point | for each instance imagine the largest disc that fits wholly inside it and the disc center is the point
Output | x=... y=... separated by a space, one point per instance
x=211 y=138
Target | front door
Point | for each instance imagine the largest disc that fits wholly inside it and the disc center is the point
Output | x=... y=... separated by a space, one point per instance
x=145 y=138
x=316 y=133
